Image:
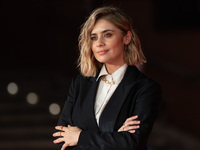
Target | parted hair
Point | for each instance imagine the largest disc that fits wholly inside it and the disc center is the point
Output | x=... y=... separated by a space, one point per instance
x=133 y=54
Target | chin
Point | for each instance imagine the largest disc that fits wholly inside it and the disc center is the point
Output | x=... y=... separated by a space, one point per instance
x=101 y=60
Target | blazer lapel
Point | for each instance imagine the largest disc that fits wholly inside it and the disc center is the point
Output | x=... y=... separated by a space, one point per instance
x=113 y=107
x=87 y=105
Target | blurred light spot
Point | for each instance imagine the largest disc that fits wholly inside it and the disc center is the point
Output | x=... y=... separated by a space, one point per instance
x=54 y=109
x=32 y=98
x=12 y=88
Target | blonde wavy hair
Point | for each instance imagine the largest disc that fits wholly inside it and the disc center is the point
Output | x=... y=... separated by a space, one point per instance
x=133 y=54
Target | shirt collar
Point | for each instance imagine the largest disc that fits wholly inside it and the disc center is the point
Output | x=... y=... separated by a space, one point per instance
x=102 y=72
x=117 y=75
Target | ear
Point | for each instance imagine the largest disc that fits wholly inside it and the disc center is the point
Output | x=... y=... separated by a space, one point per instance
x=127 y=38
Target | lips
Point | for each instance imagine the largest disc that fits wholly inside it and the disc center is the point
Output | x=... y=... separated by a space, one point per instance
x=102 y=52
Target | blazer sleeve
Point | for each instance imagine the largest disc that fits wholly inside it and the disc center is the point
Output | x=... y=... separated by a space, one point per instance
x=147 y=100
x=65 y=117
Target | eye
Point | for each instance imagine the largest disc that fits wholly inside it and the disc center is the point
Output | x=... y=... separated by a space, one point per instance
x=108 y=35
x=93 y=38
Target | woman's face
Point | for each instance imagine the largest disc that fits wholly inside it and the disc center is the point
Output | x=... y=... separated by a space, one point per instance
x=108 y=43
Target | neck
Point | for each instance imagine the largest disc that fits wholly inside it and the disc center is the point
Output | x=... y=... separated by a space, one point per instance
x=112 y=68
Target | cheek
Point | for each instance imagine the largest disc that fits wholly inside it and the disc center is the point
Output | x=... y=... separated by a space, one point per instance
x=93 y=51
x=92 y=47
x=118 y=44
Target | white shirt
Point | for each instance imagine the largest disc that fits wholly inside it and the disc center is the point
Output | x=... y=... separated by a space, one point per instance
x=106 y=90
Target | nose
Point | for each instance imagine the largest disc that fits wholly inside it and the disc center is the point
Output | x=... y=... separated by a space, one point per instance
x=100 y=42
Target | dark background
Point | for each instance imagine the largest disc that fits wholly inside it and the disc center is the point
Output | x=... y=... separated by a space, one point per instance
x=39 y=50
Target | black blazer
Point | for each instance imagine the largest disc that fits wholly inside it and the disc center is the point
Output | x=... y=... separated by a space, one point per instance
x=135 y=95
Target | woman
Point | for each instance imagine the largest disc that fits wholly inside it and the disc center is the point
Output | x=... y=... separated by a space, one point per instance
x=104 y=102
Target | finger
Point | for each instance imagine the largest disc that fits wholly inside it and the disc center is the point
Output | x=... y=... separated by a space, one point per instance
x=64 y=146
x=123 y=128
x=131 y=128
x=132 y=118
x=132 y=123
x=120 y=129
x=57 y=134
x=59 y=140
x=62 y=128
x=59 y=127
x=131 y=131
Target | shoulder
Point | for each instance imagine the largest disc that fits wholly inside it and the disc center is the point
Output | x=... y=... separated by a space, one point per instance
x=80 y=82
x=141 y=80
x=144 y=87
x=82 y=79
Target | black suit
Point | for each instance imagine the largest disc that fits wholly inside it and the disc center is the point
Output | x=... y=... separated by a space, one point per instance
x=135 y=95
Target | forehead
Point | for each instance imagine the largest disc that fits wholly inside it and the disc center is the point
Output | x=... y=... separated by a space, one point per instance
x=102 y=25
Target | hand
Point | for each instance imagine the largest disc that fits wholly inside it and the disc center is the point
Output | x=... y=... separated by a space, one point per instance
x=130 y=125
x=69 y=135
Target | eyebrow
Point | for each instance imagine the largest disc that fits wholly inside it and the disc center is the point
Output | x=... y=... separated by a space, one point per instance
x=103 y=31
